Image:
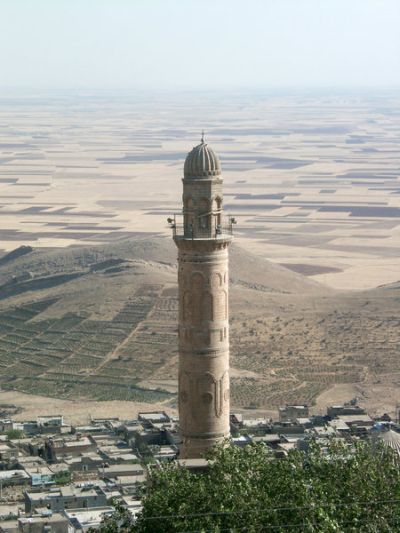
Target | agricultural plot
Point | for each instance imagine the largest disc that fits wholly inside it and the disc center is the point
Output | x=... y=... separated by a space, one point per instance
x=73 y=355
x=313 y=180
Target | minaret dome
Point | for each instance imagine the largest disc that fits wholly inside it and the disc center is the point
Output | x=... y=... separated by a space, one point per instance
x=202 y=162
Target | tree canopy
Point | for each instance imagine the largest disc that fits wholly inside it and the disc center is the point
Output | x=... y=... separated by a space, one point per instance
x=333 y=489
x=13 y=434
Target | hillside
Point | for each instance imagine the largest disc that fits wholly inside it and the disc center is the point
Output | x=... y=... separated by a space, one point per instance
x=100 y=323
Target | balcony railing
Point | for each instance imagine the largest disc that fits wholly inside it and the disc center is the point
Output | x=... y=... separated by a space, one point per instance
x=216 y=231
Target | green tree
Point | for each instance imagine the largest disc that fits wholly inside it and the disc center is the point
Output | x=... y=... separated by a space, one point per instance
x=13 y=434
x=64 y=477
x=330 y=490
x=121 y=521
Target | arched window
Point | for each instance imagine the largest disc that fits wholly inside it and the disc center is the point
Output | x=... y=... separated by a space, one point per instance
x=188 y=215
x=204 y=213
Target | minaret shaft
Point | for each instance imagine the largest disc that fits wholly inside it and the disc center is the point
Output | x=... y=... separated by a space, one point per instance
x=203 y=344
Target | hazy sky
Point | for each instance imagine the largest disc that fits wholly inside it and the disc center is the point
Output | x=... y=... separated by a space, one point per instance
x=205 y=44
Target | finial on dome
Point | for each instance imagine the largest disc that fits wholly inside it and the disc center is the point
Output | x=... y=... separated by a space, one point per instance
x=202 y=136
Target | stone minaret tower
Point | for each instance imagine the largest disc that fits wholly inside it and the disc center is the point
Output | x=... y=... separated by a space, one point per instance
x=203 y=241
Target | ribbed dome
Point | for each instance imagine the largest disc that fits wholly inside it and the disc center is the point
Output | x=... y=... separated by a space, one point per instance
x=202 y=162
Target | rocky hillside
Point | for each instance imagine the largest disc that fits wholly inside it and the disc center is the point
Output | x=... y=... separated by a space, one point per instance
x=100 y=322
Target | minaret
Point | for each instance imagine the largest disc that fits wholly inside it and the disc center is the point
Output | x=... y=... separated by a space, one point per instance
x=203 y=241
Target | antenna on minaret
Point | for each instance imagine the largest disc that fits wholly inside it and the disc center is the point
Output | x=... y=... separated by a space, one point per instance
x=202 y=136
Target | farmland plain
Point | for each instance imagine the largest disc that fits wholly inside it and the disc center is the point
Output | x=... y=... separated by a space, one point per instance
x=312 y=180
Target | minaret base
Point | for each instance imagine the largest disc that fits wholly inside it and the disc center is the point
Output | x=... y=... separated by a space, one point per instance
x=193 y=448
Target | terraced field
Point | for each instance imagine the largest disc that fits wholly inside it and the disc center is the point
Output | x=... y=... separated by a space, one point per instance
x=74 y=355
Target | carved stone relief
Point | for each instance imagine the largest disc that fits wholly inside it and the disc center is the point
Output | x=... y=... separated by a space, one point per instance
x=216 y=280
x=207 y=306
x=213 y=392
x=221 y=305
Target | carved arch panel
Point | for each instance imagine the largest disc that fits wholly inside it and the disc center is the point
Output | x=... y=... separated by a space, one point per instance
x=212 y=393
x=197 y=280
x=221 y=305
x=207 y=306
x=185 y=388
x=216 y=279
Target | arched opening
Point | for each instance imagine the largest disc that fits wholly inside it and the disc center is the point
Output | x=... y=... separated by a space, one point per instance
x=188 y=216
x=204 y=216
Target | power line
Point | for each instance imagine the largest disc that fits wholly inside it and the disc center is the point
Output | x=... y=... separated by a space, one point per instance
x=355 y=521
x=270 y=509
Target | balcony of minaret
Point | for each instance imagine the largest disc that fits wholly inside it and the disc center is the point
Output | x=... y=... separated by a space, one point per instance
x=204 y=225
